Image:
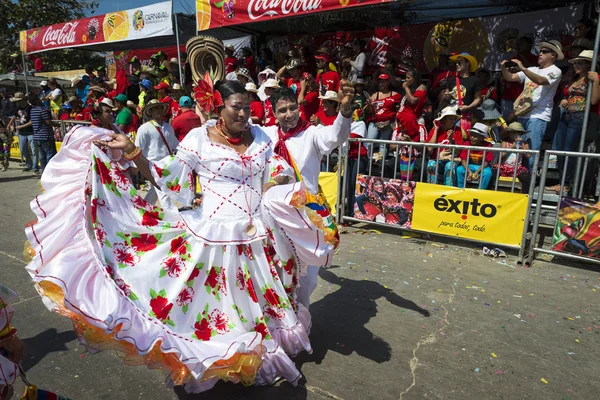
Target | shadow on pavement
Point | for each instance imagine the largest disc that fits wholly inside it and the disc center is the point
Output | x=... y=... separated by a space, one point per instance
x=39 y=346
x=18 y=178
x=339 y=319
x=227 y=390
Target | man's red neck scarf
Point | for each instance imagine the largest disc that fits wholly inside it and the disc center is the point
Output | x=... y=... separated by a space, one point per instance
x=281 y=148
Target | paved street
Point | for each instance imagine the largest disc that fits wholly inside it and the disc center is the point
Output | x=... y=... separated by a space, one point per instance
x=398 y=317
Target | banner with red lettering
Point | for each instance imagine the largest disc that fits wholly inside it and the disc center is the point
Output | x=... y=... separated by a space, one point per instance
x=138 y=23
x=217 y=13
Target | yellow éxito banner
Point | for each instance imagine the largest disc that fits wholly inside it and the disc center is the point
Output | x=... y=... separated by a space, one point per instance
x=485 y=215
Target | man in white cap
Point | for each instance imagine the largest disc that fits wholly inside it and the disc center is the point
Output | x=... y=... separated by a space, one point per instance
x=157 y=140
x=534 y=106
x=304 y=145
x=269 y=86
x=44 y=91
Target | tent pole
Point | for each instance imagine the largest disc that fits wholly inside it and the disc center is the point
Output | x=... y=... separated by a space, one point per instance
x=586 y=116
x=178 y=51
x=25 y=73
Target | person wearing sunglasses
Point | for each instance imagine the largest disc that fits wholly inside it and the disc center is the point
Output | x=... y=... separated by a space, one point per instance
x=534 y=106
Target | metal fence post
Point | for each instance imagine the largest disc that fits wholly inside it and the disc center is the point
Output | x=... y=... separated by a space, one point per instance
x=538 y=206
x=529 y=203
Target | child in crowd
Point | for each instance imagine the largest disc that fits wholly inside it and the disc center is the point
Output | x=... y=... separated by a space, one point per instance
x=444 y=131
x=513 y=139
x=473 y=165
x=328 y=111
x=490 y=116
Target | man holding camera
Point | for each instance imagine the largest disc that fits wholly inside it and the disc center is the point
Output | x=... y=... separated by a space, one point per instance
x=533 y=107
x=512 y=90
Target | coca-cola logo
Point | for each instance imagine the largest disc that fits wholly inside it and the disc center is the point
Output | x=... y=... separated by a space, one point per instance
x=58 y=37
x=260 y=8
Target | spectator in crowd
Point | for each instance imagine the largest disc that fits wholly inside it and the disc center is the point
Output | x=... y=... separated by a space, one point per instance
x=585 y=28
x=124 y=118
x=473 y=164
x=294 y=68
x=38 y=63
x=270 y=85
x=361 y=100
x=408 y=154
x=163 y=75
x=89 y=71
x=56 y=96
x=82 y=87
x=43 y=136
x=490 y=116
x=537 y=99
x=146 y=93
x=188 y=119
x=580 y=45
x=135 y=118
x=5 y=143
x=412 y=104
x=257 y=110
x=157 y=140
x=14 y=64
x=231 y=63
x=103 y=114
x=383 y=107
x=65 y=112
x=44 y=91
x=163 y=94
x=266 y=59
x=444 y=132
x=467 y=97
x=359 y=61
x=326 y=78
x=512 y=90
x=308 y=97
x=24 y=127
x=249 y=61
x=568 y=135
x=95 y=95
x=513 y=139
x=243 y=76
x=441 y=67
x=78 y=112
x=439 y=85
x=487 y=84
x=7 y=107
x=173 y=68
x=176 y=93
x=101 y=72
x=328 y=111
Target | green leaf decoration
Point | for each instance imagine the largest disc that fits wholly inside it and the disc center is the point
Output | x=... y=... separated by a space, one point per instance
x=170 y=323
x=162 y=293
x=199 y=317
x=184 y=308
x=132 y=296
x=163 y=273
x=153 y=294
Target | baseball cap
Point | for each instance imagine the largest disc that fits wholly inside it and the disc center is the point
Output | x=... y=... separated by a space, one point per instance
x=146 y=83
x=121 y=98
x=186 y=101
x=162 y=85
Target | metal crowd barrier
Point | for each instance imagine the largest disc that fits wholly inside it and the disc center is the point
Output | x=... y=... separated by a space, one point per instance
x=391 y=170
x=66 y=125
x=548 y=214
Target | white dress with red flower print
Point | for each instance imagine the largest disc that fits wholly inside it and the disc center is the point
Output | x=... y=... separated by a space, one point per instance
x=191 y=288
x=8 y=370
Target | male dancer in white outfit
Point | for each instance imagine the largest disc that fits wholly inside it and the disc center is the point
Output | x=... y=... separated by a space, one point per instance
x=306 y=145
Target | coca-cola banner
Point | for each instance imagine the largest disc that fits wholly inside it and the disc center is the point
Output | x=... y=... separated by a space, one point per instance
x=216 y=13
x=137 y=23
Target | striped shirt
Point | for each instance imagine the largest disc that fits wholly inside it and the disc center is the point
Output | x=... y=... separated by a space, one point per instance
x=41 y=130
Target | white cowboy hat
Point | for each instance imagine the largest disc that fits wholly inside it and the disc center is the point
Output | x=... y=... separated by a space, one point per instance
x=154 y=104
x=586 y=55
x=108 y=102
x=447 y=111
x=555 y=46
x=75 y=81
x=251 y=87
x=271 y=83
x=330 y=95
x=176 y=86
x=44 y=83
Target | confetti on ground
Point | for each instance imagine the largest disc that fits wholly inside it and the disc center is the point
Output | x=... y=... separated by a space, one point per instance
x=476 y=369
x=544 y=380
x=577 y=340
x=498 y=372
x=494 y=355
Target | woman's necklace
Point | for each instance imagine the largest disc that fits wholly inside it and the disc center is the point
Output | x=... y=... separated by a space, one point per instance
x=231 y=140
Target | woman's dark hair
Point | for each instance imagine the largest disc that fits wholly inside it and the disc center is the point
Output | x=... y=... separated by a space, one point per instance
x=283 y=94
x=229 y=88
x=589 y=24
x=34 y=100
x=415 y=74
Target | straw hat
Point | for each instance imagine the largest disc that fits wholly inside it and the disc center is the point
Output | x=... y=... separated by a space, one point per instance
x=515 y=127
x=98 y=89
x=108 y=102
x=555 y=46
x=152 y=104
x=251 y=87
x=75 y=81
x=447 y=111
x=18 y=96
x=586 y=55
x=243 y=72
x=480 y=129
x=330 y=95
x=271 y=83
x=472 y=60
x=583 y=43
x=488 y=107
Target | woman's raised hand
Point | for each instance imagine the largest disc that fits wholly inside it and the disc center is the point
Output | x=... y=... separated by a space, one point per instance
x=118 y=142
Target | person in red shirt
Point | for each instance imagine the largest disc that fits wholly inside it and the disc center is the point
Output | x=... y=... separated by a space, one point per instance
x=327 y=79
x=328 y=111
x=383 y=108
x=163 y=90
x=249 y=61
x=294 y=69
x=488 y=88
x=135 y=119
x=257 y=110
x=308 y=98
x=270 y=85
x=473 y=163
x=187 y=120
x=444 y=132
x=412 y=104
x=512 y=90
x=176 y=93
x=231 y=63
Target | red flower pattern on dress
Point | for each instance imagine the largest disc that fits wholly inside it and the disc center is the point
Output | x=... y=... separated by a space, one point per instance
x=161 y=307
x=272 y=297
x=100 y=233
x=125 y=255
x=94 y=208
x=261 y=327
x=145 y=242
x=120 y=179
x=103 y=172
x=195 y=272
x=273 y=312
x=173 y=266
x=202 y=330
x=219 y=321
x=250 y=290
x=150 y=218
x=159 y=171
x=178 y=245
x=212 y=278
x=289 y=266
x=185 y=297
x=141 y=203
x=123 y=286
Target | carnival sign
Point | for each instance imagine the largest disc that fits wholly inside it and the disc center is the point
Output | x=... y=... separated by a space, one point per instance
x=138 y=23
x=216 y=13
